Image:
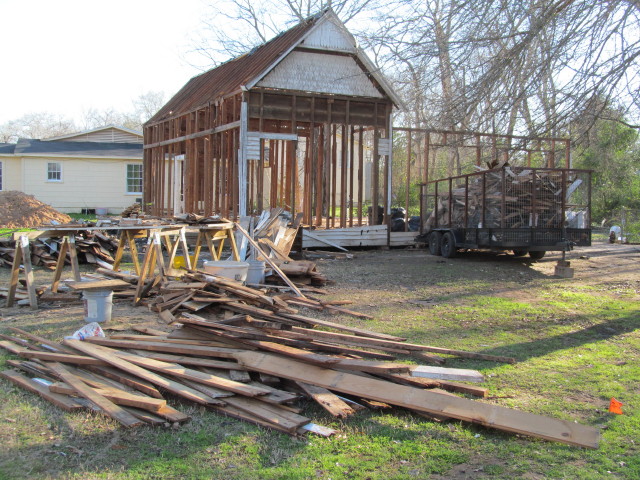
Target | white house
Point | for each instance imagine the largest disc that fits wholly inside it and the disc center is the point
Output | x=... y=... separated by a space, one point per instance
x=98 y=169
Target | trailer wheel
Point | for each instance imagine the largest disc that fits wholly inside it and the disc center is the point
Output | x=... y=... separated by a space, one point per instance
x=537 y=254
x=448 y=245
x=519 y=253
x=434 y=243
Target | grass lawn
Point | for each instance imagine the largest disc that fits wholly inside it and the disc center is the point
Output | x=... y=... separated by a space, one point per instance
x=577 y=342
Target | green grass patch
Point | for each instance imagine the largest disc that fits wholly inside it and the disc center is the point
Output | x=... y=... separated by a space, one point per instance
x=577 y=344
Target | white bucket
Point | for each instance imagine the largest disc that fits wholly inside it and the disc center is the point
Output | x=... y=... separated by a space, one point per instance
x=228 y=269
x=101 y=211
x=97 y=305
x=256 y=272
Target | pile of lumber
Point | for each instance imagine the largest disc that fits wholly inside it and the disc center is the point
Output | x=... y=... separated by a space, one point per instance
x=93 y=247
x=508 y=197
x=253 y=357
x=275 y=231
x=132 y=211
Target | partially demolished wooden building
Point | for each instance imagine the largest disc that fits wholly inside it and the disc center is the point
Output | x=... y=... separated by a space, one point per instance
x=301 y=122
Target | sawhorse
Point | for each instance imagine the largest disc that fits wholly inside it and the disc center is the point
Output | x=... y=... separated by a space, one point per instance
x=154 y=258
x=215 y=232
x=22 y=255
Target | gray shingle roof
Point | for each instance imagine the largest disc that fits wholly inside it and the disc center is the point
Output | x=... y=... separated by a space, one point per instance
x=29 y=146
x=7 y=148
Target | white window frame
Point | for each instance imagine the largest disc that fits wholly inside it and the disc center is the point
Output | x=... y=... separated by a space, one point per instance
x=126 y=178
x=54 y=180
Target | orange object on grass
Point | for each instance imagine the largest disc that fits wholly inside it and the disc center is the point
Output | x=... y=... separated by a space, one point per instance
x=614 y=406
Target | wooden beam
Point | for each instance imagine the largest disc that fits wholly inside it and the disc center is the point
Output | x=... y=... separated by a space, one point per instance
x=109 y=356
x=442 y=373
x=106 y=406
x=492 y=416
x=61 y=401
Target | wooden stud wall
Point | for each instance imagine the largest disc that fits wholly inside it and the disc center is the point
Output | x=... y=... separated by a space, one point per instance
x=322 y=174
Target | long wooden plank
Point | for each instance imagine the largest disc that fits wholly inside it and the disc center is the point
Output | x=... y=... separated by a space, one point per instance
x=109 y=356
x=374 y=342
x=442 y=373
x=128 y=380
x=193 y=361
x=177 y=370
x=424 y=400
x=107 y=406
x=42 y=340
x=63 y=358
x=119 y=397
x=269 y=261
x=327 y=400
x=61 y=401
x=100 y=285
x=287 y=420
x=337 y=326
x=146 y=416
x=290 y=319
x=172 y=415
x=12 y=347
x=219 y=352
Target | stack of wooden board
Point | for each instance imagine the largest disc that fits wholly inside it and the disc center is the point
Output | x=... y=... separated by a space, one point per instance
x=253 y=362
x=92 y=247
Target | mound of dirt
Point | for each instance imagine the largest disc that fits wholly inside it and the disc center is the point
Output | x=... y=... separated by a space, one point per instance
x=19 y=210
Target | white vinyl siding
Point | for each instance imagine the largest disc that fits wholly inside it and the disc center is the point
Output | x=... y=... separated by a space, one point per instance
x=134 y=178
x=54 y=172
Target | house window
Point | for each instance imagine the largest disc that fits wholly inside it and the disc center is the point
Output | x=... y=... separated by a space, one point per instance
x=54 y=172
x=134 y=178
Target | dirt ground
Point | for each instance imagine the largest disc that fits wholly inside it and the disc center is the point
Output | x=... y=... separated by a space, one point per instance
x=19 y=210
x=377 y=279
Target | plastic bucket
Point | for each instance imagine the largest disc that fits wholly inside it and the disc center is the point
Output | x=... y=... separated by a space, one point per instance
x=256 y=272
x=101 y=211
x=97 y=305
x=228 y=269
x=179 y=262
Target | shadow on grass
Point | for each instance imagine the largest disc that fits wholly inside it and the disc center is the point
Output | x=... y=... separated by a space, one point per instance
x=595 y=333
x=539 y=347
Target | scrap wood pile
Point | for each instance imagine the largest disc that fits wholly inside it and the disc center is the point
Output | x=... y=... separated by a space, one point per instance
x=92 y=247
x=507 y=197
x=252 y=357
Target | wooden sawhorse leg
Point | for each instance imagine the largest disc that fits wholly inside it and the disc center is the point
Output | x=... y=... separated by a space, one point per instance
x=22 y=255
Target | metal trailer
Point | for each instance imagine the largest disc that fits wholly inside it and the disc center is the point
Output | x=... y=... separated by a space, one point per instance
x=522 y=209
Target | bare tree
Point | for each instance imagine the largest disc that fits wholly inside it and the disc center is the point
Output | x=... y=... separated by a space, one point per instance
x=36 y=125
x=144 y=107
x=234 y=27
x=525 y=66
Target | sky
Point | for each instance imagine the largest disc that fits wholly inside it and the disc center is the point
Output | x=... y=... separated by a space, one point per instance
x=68 y=56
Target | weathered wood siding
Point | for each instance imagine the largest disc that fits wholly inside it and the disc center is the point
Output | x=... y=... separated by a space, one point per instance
x=331 y=36
x=322 y=73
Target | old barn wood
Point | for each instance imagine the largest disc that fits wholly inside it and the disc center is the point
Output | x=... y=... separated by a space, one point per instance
x=301 y=122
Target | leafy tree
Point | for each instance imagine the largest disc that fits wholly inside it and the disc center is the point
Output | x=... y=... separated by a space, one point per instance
x=610 y=148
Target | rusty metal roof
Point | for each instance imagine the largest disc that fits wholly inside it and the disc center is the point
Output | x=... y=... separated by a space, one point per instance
x=230 y=76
